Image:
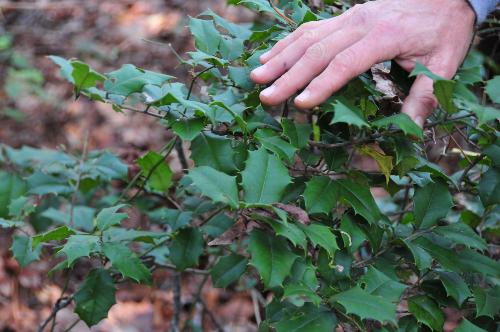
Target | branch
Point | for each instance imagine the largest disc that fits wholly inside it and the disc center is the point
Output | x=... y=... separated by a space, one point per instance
x=60 y=304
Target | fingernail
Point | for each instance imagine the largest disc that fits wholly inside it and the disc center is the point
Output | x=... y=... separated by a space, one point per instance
x=304 y=96
x=420 y=121
x=259 y=71
x=268 y=92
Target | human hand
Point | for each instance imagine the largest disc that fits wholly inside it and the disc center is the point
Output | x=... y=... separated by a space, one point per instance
x=325 y=55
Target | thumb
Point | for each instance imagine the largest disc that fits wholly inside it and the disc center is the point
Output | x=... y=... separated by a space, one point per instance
x=421 y=100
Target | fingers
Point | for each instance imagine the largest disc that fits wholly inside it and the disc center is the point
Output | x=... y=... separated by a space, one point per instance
x=420 y=101
x=284 y=57
x=377 y=46
x=314 y=60
x=285 y=42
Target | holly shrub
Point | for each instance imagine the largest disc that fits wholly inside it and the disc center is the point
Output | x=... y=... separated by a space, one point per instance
x=278 y=200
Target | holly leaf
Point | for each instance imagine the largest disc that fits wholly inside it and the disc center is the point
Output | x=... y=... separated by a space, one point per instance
x=108 y=217
x=367 y=306
x=11 y=187
x=125 y=261
x=431 y=203
x=265 y=178
x=79 y=246
x=216 y=151
x=360 y=199
x=297 y=133
x=216 y=185
x=462 y=234
x=228 y=270
x=321 y=194
x=271 y=141
x=131 y=79
x=57 y=234
x=379 y=284
x=207 y=38
x=308 y=318
x=348 y=114
x=23 y=250
x=427 y=312
x=493 y=89
x=187 y=129
x=95 y=296
x=271 y=256
x=455 y=286
x=487 y=301
x=403 y=122
x=157 y=171
x=489 y=187
x=466 y=326
x=186 y=248
x=321 y=236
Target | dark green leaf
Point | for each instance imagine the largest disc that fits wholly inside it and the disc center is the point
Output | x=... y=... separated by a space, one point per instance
x=467 y=326
x=297 y=133
x=359 y=197
x=462 y=234
x=426 y=311
x=403 y=122
x=321 y=194
x=359 y=302
x=57 y=234
x=377 y=283
x=23 y=251
x=186 y=248
x=309 y=318
x=489 y=187
x=110 y=217
x=265 y=178
x=79 y=246
x=125 y=261
x=216 y=185
x=153 y=166
x=493 y=89
x=228 y=270
x=271 y=256
x=487 y=301
x=11 y=187
x=431 y=203
x=95 y=297
x=321 y=236
x=216 y=151
x=455 y=286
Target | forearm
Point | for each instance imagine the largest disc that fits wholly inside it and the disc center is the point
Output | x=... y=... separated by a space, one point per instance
x=483 y=8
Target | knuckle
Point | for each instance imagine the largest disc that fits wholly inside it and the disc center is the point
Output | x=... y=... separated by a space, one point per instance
x=359 y=15
x=428 y=100
x=310 y=35
x=344 y=62
x=316 y=52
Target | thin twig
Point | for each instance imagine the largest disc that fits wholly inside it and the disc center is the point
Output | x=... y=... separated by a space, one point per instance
x=74 y=196
x=69 y=328
x=280 y=14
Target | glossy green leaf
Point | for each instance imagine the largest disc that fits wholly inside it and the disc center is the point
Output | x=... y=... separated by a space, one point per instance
x=216 y=151
x=125 y=261
x=11 y=187
x=377 y=283
x=79 y=246
x=431 y=203
x=57 y=234
x=157 y=171
x=347 y=114
x=426 y=311
x=321 y=194
x=186 y=248
x=455 y=286
x=487 y=301
x=228 y=270
x=403 y=122
x=265 y=178
x=367 y=306
x=321 y=236
x=108 y=217
x=467 y=326
x=462 y=234
x=493 y=89
x=216 y=185
x=489 y=187
x=359 y=197
x=23 y=250
x=297 y=133
x=95 y=296
x=271 y=256
x=271 y=141
x=308 y=318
